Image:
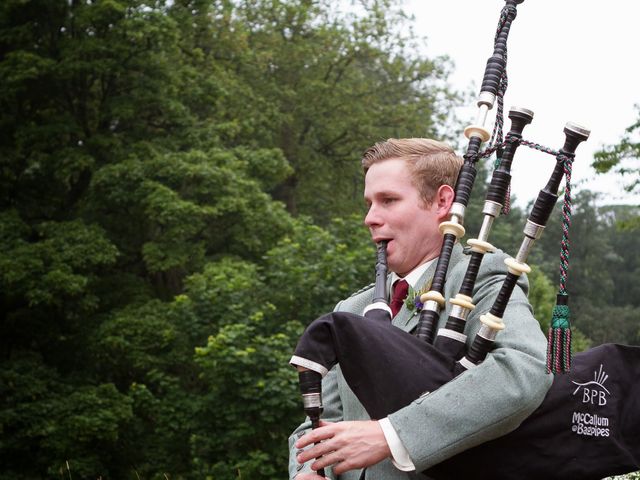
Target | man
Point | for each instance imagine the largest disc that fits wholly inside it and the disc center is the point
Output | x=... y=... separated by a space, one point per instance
x=409 y=191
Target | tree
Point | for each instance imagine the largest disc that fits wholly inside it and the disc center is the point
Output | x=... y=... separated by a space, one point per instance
x=144 y=147
x=623 y=157
x=329 y=85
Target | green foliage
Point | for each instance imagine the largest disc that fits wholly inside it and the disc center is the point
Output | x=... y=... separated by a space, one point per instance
x=227 y=292
x=58 y=266
x=252 y=404
x=149 y=280
x=46 y=415
x=134 y=341
x=623 y=157
x=180 y=208
x=542 y=297
x=309 y=270
x=611 y=323
x=328 y=85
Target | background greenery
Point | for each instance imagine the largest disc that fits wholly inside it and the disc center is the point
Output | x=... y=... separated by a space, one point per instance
x=180 y=194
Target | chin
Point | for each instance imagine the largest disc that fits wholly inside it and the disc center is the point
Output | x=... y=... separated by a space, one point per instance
x=392 y=267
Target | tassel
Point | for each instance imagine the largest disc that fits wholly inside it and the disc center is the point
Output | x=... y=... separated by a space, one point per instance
x=559 y=337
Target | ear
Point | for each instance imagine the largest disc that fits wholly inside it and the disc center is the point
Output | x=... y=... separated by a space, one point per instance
x=443 y=201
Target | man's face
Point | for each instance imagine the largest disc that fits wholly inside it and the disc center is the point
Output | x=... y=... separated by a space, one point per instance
x=398 y=214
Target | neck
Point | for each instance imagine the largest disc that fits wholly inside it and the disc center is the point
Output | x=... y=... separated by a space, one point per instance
x=414 y=275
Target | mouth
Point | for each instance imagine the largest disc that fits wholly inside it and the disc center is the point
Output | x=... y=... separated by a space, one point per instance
x=377 y=240
x=388 y=242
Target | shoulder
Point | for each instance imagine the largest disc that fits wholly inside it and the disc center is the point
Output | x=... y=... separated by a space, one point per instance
x=363 y=290
x=493 y=270
x=492 y=263
x=493 y=267
x=357 y=300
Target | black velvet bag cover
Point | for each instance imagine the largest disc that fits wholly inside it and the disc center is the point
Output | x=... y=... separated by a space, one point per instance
x=385 y=367
x=587 y=427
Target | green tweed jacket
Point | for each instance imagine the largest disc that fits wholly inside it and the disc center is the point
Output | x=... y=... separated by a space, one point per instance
x=481 y=404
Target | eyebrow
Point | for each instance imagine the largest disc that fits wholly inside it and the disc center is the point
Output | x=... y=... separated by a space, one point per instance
x=386 y=193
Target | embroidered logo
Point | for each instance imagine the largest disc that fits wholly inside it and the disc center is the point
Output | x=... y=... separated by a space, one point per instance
x=591 y=393
x=594 y=392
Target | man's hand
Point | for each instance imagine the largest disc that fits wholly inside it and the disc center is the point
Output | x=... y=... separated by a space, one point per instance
x=345 y=446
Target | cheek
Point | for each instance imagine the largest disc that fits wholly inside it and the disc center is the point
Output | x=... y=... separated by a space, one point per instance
x=416 y=236
x=412 y=228
x=404 y=244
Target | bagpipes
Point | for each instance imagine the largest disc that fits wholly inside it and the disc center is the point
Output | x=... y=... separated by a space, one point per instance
x=588 y=425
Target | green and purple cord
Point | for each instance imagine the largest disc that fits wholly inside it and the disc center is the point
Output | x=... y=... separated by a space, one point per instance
x=559 y=336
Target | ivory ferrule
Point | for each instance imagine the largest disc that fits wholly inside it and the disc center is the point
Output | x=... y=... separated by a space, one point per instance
x=466 y=363
x=483 y=110
x=480 y=246
x=432 y=297
x=445 y=332
x=477 y=131
x=491 y=324
x=517 y=268
x=307 y=364
x=452 y=228
x=462 y=301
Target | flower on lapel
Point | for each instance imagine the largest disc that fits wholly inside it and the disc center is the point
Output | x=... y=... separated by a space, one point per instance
x=412 y=302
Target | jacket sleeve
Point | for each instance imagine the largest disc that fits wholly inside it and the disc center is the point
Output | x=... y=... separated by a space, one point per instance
x=489 y=400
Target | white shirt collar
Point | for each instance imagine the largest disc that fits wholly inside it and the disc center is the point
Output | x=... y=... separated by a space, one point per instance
x=415 y=274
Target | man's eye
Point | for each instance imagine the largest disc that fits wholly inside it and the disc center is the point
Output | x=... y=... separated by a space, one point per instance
x=388 y=201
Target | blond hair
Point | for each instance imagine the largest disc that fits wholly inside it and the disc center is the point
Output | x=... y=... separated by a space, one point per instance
x=430 y=162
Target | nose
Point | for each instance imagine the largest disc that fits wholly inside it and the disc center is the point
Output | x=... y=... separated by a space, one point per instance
x=372 y=218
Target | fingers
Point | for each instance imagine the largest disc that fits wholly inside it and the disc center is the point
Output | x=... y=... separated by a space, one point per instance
x=337 y=463
x=321 y=443
x=344 y=446
x=317 y=435
x=317 y=451
x=328 y=460
x=312 y=439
